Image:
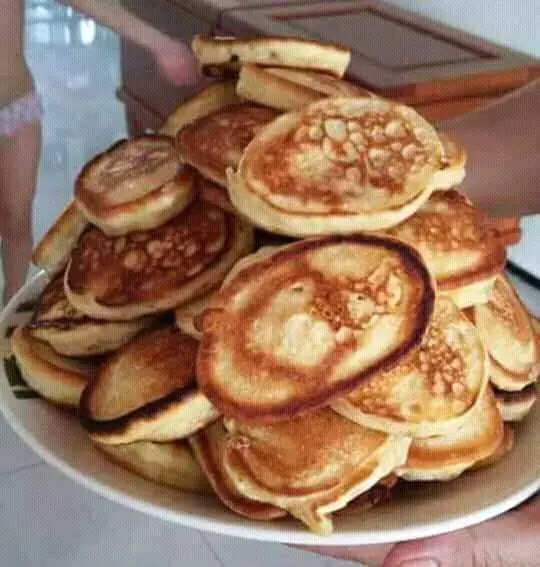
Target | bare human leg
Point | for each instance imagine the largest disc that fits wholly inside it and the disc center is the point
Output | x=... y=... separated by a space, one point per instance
x=19 y=159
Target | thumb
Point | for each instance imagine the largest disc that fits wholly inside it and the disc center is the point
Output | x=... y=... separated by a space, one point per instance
x=512 y=539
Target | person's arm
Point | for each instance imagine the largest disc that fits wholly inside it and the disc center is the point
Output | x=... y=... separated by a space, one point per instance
x=173 y=57
x=503 y=144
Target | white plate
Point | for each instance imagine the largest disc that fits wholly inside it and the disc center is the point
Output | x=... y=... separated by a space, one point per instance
x=428 y=510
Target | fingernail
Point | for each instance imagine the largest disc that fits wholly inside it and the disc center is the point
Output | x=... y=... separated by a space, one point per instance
x=421 y=562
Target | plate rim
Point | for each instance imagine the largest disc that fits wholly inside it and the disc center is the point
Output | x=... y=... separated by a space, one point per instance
x=252 y=531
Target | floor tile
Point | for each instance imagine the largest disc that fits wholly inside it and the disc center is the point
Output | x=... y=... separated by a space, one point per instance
x=49 y=521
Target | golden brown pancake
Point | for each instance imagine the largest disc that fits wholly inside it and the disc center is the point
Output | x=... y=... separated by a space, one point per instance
x=291 y=89
x=170 y=464
x=136 y=184
x=311 y=465
x=339 y=165
x=507 y=331
x=54 y=249
x=210 y=192
x=447 y=456
x=223 y=56
x=58 y=379
x=206 y=101
x=216 y=141
x=506 y=445
x=188 y=316
x=72 y=333
x=433 y=391
x=454 y=161
x=147 y=391
x=507 y=229
x=208 y=445
x=144 y=272
x=459 y=247
x=311 y=323
x=515 y=406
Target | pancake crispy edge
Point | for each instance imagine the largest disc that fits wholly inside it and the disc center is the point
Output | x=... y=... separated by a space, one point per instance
x=515 y=406
x=263 y=388
x=146 y=391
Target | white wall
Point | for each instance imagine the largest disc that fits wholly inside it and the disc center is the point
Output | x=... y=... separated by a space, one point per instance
x=515 y=23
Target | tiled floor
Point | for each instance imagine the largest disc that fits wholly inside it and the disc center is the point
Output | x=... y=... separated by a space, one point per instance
x=46 y=519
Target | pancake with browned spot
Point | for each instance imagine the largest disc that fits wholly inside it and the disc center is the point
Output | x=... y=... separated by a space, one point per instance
x=136 y=184
x=58 y=379
x=311 y=465
x=52 y=252
x=208 y=445
x=310 y=323
x=210 y=192
x=72 y=333
x=458 y=244
x=435 y=390
x=143 y=272
x=147 y=391
x=338 y=165
x=508 y=333
x=223 y=56
x=447 y=456
x=215 y=142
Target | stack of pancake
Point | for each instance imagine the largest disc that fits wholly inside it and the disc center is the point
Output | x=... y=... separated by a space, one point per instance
x=283 y=297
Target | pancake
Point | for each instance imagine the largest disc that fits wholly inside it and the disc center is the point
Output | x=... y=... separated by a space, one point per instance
x=208 y=445
x=452 y=172
x=144 y=272
x=223 y=56
x=311 y=323
x=458 y=245
x=434 y=391
x=206 y=101
x=310 y=465
x=170 y=464
x=507 y=331
x=216 y=141
x=507 y=229
x=72 y=333
x=210 y=192
x=147 y=391
x=58 y=379
x=448 y=456
x=188 y=316
x=54 y=249
x=136 y=184
x=515 y=406
x=506 y=445
x=291 y=89
x=339 y=165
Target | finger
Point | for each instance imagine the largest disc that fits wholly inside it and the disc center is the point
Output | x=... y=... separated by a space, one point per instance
x=369 y=555
x=512 y=539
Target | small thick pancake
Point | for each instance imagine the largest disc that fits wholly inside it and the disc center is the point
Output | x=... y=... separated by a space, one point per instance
x=210 y=192
x=507 y=331
x=310 y=323
x=147 y=391
x=448 y=456
x=311 y=465
x=339 y=165
x=171 y=464
x=223 y=56
x=136 y=184
x=58 y=379
x=144 y=272
x=54 y=249
x=507 y=229
x=457 y=242
x=204 y=102
x=452 y=172
x=208 y=445
x=515 y=406
x=506 y=445
x=215 y=142
x=291 y=89
x=72 y=333
x=188 y=316
x=434 y=390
